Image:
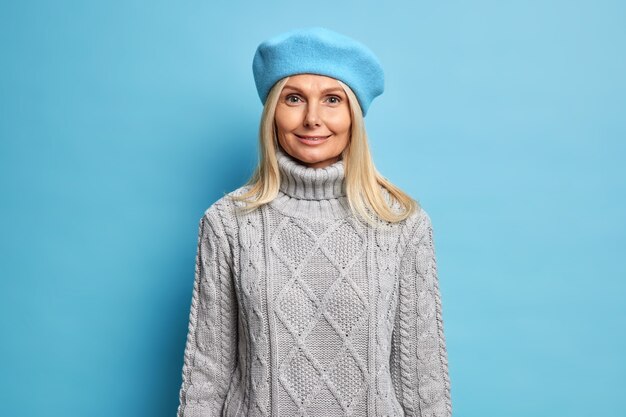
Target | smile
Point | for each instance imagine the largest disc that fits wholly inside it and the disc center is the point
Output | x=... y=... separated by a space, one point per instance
x=312 y=139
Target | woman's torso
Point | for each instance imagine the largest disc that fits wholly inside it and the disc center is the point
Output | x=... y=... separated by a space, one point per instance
x=317 y=298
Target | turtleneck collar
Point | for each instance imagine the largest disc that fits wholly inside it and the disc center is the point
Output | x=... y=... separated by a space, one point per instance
x=312 y=193
x=305 y=183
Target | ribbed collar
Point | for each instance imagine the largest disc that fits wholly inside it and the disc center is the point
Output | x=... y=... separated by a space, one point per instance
x=306 y=183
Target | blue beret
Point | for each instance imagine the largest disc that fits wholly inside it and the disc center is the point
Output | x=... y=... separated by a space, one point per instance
x=318 y=50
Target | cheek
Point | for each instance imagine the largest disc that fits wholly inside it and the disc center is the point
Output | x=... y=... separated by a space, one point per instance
x=287 y=116
x=340 y=122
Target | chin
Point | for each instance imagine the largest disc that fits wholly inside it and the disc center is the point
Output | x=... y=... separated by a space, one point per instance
x=312 y=154
x=311 y=157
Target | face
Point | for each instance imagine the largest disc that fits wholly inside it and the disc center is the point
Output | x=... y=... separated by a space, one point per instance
x=313 y=119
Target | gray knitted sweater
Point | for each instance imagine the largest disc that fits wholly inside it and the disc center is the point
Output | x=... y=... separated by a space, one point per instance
x=300 y=309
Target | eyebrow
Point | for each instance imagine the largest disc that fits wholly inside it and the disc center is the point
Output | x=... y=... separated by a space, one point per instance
x=323 y=92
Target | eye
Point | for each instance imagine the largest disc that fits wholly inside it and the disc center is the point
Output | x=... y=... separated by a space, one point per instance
x=289 y=97
x=336 y=98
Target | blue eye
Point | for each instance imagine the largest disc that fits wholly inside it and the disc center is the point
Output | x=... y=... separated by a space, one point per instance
x=292 y=96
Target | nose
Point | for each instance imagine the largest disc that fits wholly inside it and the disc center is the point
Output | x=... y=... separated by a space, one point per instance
x=311 y=118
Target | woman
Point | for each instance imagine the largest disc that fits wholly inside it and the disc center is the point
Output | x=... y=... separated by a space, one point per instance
x=316 y=289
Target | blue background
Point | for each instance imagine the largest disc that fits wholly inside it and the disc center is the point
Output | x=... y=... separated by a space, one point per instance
x=122 y=121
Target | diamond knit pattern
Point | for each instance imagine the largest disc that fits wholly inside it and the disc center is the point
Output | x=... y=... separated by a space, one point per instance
x=342 y=305
x=301 y=309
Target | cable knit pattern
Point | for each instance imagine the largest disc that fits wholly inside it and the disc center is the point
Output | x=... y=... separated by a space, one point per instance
x=301 y=309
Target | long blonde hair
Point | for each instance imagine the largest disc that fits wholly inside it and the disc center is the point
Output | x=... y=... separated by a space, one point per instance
x=365 y=186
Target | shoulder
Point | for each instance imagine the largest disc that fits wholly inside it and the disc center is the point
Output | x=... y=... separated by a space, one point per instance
x=417 y=228
x=389 y=200
x=226 y=203
x=415 y=234
x=420 y=224
x=222 y=213
x=412 y=223
x=219 y=220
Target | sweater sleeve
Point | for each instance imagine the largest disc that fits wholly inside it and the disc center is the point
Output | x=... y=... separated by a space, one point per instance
x=419 y=360
x=211 y=346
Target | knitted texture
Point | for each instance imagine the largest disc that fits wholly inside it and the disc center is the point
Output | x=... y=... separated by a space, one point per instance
x=301 y=309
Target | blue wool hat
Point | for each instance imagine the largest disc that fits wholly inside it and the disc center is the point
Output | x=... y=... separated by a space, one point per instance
x=321 y=51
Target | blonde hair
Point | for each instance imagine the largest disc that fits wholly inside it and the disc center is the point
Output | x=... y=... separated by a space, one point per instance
x=363 y=181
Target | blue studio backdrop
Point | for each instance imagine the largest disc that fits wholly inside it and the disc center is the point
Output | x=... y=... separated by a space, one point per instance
x=122 y=121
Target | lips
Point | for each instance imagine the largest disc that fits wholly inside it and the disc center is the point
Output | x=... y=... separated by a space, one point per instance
x=313 y=138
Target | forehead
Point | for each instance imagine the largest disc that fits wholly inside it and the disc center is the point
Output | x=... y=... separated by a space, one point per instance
x=312 y=82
